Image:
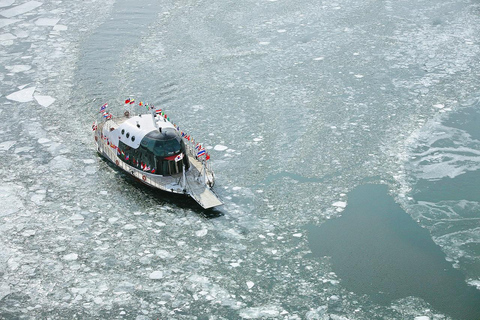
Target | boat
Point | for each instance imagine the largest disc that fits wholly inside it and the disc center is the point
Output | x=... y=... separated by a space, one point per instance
x=153 y=150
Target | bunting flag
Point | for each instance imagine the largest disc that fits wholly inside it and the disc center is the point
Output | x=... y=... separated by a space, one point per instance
x=201 y=152
x=153 y=170
x=128 y=157
x=132 y=101
x=207 y=157
x=127 y=101
x=102 y=108
x=158 y=111
x=179 y=157
x=140 y=103
x=94 y=126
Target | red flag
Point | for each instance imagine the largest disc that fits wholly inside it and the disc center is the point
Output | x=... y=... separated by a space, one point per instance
x=127 y=101
x=207 y=157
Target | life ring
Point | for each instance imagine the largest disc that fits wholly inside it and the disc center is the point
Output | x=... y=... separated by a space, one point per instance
x=144 y=178
x=116 y=162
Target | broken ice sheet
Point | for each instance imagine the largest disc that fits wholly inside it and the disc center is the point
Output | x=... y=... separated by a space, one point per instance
x=24 y=95
x=44 y=101
x=46 y=22
x=18 y=68
x=23 y=8
x=6 y=22
x=6 y=3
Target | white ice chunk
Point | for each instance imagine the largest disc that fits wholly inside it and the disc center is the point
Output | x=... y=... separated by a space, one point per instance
x=18 y=68
x=250 y=284
x=6 y=3
x=4 y=290
x=60 y=27
x=44 y=101
x=297 y=235
x=23 y=8
x=60 y=163
x=7 y=36
x=475 y=283
x=201 y=233
x=24 y=95
x=129 y=227
x=156 y=275
x=358 y=76
x=43 y=140
x=6 y=22
x=421 y=318
x=46 y=22
x=340 y=204
x=262 y=312
x=439 y=106
x=236 y=188
x=28 y=233
x=319 y=58
x=220 y=147
x=5 y=146
x=70 y=257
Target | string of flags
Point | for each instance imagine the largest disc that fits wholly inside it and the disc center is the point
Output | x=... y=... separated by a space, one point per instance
x=199 y=151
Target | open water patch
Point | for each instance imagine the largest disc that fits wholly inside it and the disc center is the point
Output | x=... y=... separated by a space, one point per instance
x=378 y=250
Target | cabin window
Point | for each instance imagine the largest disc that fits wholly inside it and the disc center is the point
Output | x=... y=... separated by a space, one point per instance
x=156 y=152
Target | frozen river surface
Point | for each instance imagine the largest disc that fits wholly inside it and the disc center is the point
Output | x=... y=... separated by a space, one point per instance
x=344 y=136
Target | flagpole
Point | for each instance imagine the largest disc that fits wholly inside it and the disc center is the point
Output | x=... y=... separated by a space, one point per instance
x=184 y=178
x=204 y=173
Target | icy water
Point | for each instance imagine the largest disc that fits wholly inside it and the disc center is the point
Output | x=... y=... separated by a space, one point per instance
x=322 y=119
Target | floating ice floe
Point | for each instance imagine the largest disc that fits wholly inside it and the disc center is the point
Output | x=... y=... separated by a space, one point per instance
x=201 y=233
x=44 y=101
x=264 y=43
x=439 y=106
x=24 y=95
x=421 y=318
x=70 y=257
x=319 y=58
x=60 y=27
x=18 y=68
x=129 y=226
x=20 y=9
x=297 y=235
x=260 y=312
x=156 y=275
x=358 y=76
x=250 y=284
x=220 y=147
x=6 y=22
x=6 y=37
x=5 y=146
x=46 y=22
x=6 y=3
x=339 y=204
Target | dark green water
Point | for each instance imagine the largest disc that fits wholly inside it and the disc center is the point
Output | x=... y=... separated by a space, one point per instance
x=378 y=250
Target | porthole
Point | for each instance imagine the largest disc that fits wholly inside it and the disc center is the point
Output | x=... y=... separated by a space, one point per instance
x=128 y=134
x=133 y=138
x=123 y=131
